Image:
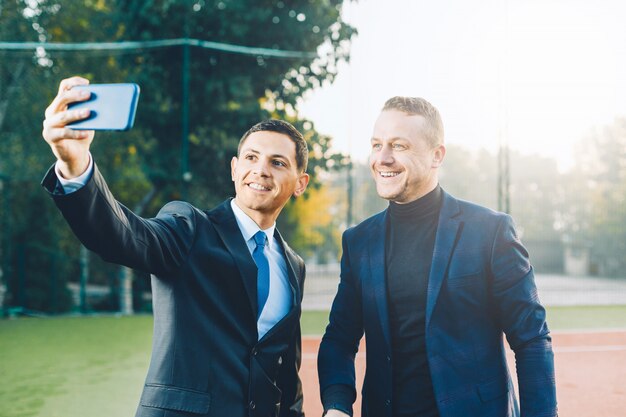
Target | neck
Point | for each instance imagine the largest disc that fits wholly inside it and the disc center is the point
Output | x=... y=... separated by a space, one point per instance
x=421 y=208
x=262 y=219
x=421 y=192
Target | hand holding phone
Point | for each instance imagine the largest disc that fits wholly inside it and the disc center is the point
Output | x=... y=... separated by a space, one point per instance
x=112 y=107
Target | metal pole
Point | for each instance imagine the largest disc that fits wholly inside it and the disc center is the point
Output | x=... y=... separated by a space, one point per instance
x=504 y=172
x=350 y=192
x=185 y=173
x=5 y=239
x=507 y=179
x=499 y=167
x=53 y=284
x=84 y=274
x=504 y=178
x=21 y=276
x=126 y=291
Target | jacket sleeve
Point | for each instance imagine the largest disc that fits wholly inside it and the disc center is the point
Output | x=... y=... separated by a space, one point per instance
x=340 y=342
x=523 y=320
x=106 y=227
x=292 y=400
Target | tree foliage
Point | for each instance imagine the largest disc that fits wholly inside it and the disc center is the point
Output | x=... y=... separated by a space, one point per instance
x=540 y=196
x=600 y=197
x=228 y=93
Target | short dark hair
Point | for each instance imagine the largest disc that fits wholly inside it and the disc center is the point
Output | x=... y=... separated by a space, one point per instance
x=280 y=126
x=421 y=107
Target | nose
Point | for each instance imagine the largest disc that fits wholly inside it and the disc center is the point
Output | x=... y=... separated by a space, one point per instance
x=384 y=156
x=261 y=167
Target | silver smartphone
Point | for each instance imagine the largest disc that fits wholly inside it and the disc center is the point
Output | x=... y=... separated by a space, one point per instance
x=112 y=107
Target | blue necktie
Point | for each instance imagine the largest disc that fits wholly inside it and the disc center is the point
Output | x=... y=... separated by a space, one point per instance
x=263 y=266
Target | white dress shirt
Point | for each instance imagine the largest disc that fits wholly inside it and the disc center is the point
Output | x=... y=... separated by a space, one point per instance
x=280 y=298
x=74 y=184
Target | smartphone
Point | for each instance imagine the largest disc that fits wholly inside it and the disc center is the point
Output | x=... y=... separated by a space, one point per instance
x=112 y=107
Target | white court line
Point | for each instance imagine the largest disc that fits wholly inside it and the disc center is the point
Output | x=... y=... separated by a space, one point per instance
x=314 y=355
x=570 y=349
x=582 y=349
x=588 y=331
x=553 y=332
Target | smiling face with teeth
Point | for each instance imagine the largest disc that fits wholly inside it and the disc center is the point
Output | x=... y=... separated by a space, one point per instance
x=403 y=161
x=266 y=175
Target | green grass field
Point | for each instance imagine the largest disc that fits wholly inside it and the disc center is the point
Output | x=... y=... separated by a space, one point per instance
x=66 y=367
x=95 y=366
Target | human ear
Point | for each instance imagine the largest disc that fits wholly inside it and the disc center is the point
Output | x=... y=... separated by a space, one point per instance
x=302 y=182
x=439 y=152
x=233 y=168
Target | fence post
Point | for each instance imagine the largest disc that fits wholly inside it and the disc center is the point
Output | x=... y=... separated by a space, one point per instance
x=5 y=240
x=53 y=284
x=84 y=273
x=349 y=213
x=126 y=290
x=21 y=276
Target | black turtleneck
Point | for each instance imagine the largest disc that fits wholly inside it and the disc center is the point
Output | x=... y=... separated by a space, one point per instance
x=410 y=241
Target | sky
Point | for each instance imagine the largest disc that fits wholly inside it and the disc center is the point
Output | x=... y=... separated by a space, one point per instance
x=540 y=74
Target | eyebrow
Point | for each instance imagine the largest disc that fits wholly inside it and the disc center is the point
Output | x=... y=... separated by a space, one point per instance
x=277 y=155
x=394 y=139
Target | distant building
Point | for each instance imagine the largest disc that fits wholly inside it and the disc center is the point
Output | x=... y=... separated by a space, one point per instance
x=576 y=257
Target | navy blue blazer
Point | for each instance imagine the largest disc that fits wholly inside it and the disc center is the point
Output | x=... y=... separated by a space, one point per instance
x=206 y=356
x=481 y=286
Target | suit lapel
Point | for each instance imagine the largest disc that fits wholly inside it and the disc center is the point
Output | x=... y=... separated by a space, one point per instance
x=448 y=228
x=293 y=269
x=377 y=271
x=228 y=230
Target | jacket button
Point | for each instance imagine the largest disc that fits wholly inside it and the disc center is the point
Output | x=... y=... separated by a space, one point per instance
x=252 y=405
x=388 y=358
x=280 y=360
x=387 y=402
x=254 y=351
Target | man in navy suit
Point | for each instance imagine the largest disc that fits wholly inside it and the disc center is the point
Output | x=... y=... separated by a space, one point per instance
x=226 y=288
x=434 y=283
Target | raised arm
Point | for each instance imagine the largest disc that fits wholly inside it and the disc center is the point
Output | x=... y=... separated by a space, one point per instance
x=102 y=224
x=71 y=147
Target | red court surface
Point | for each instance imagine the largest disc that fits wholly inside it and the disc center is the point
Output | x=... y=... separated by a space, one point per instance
x=590 y=374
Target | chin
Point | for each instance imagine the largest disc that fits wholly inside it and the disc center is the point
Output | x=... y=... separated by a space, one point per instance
x=388 y=194
x=254 y=204
x=249 y=201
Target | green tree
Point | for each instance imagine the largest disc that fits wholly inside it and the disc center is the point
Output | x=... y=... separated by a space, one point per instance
x=600 y=189
x=228 y=92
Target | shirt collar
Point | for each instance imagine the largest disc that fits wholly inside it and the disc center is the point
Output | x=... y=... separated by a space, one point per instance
x=248 y=227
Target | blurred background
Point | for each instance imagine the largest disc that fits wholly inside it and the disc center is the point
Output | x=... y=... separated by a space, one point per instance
x=533 y=99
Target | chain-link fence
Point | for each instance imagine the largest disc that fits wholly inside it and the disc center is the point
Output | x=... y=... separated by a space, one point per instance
x=571 y=222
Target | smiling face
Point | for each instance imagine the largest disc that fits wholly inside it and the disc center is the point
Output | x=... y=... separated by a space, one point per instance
x=402 y=161
x=266 y=175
